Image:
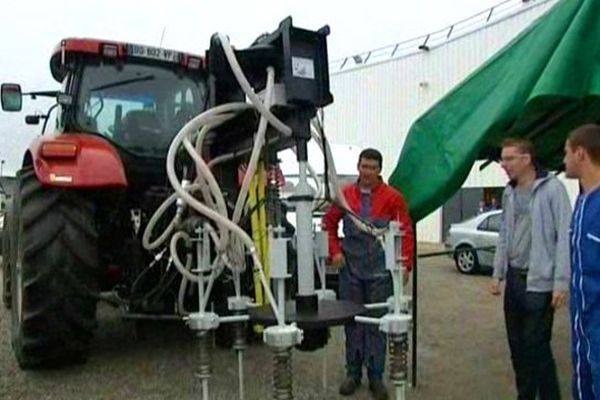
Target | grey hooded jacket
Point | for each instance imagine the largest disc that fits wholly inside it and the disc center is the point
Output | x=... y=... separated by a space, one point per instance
x=550 y=208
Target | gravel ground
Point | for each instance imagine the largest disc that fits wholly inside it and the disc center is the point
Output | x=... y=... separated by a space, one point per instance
x=463 y=354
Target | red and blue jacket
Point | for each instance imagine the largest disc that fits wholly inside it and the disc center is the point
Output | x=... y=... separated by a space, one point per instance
x=363 y=252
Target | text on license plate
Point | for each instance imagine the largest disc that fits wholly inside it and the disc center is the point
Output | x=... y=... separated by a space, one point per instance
x=153 y=52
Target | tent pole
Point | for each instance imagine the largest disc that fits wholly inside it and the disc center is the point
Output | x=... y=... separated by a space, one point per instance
x=414 y=312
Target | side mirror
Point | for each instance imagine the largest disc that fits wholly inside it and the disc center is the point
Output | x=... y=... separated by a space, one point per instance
x=11 y=97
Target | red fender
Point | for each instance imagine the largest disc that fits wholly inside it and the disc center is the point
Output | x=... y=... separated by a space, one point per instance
x=77 y=161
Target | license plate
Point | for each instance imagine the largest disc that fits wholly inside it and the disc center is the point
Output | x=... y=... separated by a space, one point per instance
x=154 y=53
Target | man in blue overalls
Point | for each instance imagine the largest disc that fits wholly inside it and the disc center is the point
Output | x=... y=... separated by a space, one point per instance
x=363 y=277
x=582 y=161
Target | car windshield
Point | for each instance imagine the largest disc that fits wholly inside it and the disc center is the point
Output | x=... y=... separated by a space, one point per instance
x=139 y=107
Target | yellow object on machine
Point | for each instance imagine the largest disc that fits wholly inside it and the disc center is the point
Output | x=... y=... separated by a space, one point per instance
x=258 y=220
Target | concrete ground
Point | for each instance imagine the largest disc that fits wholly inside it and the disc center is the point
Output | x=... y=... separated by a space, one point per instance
x=462 y=350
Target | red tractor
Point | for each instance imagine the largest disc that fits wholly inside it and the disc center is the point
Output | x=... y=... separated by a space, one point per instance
x=86 y=192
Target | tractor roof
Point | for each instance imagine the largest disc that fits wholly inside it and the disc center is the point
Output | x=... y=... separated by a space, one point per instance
x=69 y=47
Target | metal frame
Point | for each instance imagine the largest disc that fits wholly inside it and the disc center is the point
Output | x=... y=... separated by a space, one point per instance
x=505 y=9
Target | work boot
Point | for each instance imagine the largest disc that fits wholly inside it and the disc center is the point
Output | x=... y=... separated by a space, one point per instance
x=378 y=389
x=349 y=386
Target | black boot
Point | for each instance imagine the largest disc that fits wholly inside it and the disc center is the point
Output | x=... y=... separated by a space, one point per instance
x=378 y=389
x=349 y=386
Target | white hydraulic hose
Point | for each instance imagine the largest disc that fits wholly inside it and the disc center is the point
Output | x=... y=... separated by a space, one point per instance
x=153 y=220
x=252 y=166
x=171 y=199
x=258 y=144
x=212 y=185
x=234 y=154
x=184 y=280
x=214 y=195
x=156 y=217
x=217 y=200
x=216 y=270
x=192 y=126
x=245 y=85
x=175 y=257
x=259 y=141
x=210 y=117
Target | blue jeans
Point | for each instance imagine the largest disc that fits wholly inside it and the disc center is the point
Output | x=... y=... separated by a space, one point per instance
x=365 y=344
x=529 y=318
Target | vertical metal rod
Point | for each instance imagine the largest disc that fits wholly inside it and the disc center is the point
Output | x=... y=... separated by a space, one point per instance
x=321 y=271
x=241 y=373
x=203 y=367
x=397 y=282
x=400 y=392
x=324 y=371
x=205 y=389
x=414 y=312
x=281 y=299
x=306 y=277
x=214 y=337
x=200 y=261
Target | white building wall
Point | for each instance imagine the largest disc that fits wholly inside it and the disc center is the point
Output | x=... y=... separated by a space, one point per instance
x=375 y=105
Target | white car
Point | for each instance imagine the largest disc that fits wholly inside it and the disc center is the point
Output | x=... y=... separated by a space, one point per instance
x=474 y=240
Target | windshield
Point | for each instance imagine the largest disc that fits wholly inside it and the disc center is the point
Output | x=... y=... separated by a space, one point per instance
x=140 y=107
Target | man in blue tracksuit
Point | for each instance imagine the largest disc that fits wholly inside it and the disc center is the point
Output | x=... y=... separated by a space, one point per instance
x=582 y=161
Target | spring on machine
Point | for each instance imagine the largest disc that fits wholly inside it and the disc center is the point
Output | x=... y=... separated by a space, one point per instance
x=282 y=374
x=398 y=357
x=203 y=368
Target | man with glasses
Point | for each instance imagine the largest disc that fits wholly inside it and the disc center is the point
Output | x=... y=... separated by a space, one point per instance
x=532 y=255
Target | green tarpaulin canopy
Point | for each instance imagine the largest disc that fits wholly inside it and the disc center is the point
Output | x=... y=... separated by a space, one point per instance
x=540 y=86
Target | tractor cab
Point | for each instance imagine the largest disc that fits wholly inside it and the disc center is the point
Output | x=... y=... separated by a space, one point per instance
x=136 y=97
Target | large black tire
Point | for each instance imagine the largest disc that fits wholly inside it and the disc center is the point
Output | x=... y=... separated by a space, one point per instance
x=55 y=276
x=8 y=257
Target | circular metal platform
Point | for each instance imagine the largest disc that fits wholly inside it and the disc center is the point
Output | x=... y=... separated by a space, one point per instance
x=330 y=313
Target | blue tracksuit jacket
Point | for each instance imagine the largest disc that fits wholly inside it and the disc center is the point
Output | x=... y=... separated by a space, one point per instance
x=585 y=296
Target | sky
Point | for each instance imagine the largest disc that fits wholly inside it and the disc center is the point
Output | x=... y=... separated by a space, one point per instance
x=31 y=29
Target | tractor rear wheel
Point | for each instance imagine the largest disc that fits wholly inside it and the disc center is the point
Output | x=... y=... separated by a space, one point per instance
x=55 y=276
